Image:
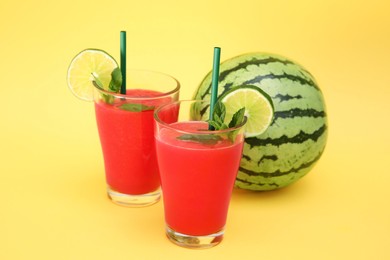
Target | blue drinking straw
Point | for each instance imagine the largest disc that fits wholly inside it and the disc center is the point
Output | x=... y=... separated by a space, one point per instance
x=123 y=60
x=214 y=82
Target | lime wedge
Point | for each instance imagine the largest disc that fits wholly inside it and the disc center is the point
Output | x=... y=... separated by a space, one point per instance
x=87 y=66
x=258 y=107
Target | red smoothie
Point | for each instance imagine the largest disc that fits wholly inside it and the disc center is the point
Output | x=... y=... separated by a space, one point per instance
x=197 y=180
x=127 y=142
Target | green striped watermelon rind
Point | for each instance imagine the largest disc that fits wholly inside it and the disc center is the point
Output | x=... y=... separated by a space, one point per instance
x=296 y=139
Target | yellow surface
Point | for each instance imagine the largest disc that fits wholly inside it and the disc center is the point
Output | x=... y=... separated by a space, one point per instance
x=52 y=196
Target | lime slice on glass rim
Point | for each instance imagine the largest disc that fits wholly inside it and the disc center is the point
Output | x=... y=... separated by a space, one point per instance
x=258 y=105
x=88 y=65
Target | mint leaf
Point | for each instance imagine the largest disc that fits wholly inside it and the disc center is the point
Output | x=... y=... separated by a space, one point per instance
x=218 y=119
x=219 y=112
x=237 y=118
x=218 y=123
x=224 y=126
x=135 y=107
x=214 y=124
x=114 y=86
x=116 y=80
x=204 y=139
x=96 y=82
x=115 y=83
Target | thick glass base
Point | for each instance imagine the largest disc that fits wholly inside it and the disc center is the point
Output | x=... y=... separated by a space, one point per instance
x=129 y=200
x=194 y=242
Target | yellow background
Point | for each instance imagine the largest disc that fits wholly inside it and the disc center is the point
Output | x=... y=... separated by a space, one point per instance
x=52 y=194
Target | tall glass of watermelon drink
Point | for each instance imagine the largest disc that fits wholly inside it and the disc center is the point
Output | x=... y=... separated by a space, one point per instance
x=198 y=168
x=125 y=126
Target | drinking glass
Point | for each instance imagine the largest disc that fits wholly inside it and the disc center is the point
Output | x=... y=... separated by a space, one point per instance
x=125 y=126
x=198 y=168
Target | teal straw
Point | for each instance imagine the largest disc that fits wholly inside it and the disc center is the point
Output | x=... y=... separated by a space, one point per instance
x=214 y=82
x=123 y=60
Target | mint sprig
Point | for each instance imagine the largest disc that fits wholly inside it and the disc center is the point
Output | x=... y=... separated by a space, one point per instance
x=114 y=85
x=135 y=107
x=205 y=139
x=116 y=80
x=218 y=123
x=219 y=114
x=237 y=118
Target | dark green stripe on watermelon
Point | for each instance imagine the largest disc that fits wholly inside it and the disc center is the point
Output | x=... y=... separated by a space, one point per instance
x=300 y=80
x=256 y=62
x=257 y=184
x=258 y=79
x=283 y=98
x=279 y=173
x=203 y=111
x=297 y=112
x=265 y=157
x=284 y=139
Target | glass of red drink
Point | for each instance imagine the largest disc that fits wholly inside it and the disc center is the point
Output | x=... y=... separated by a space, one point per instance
x=125 y=125
x=198 y=168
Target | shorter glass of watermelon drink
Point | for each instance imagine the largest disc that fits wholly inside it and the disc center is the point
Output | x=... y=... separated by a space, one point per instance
x=126 y=131
x=198 y=168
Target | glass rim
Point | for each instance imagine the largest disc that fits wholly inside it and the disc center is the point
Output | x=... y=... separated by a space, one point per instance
x=200 y=132
x=162 y=95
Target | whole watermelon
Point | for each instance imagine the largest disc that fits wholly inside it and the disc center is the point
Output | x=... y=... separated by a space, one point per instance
x=296 y=139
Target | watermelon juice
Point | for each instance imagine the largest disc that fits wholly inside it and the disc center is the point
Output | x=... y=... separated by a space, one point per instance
x=197 y=179
x=126 y=131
